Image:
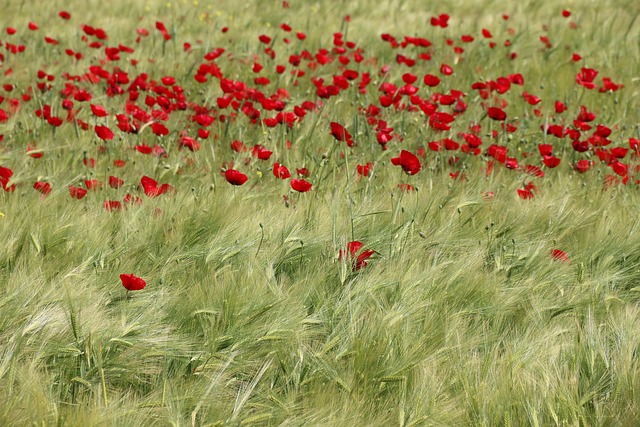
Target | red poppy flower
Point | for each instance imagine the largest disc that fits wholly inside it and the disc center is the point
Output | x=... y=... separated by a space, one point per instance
x=551 y=161
x=496 y=113
x=115 y=182
x=408 y=161
x=42 y=187
x=151 y=188
x=281 y=171
x=190 y=143
x=163 y=30
x=525 y=194
x=77 y=192
x=441 y=20
x=5 y=175
x=132 y=282
x=238 y=146
x=364 y=170
x=446 y=70
x=534 y=170
x=99 y=110
x=104 y=133
x=261 y=152
x=300 y=185
x=159 y=129
x=560 y=107
x=406 y=188
x=341 y=134
x=582 y=165
x=235 y=177
x=34 y=152
x=431 y=80
x=144 y=149
x=559 y=255
x=92 y=184
x=586 y=76
x=355 y=254
x=112 y=205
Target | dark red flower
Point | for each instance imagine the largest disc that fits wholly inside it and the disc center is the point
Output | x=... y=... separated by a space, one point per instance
x=34 y=152
x=408 y=161
x=151 y=188
x=132 y=282
x=115 y=182
x=534 y=170
x=5 y=175
x=261 y=152
x=586 y=76
x=300 y=185
x=235 y=177
x=431 y=80
x=104 y=133
x=525 y=194
x=560 y=107
x=42 y=187
x=77 y=192
x=159 y=129
x=364 y=170
x=355 y=254
x=559 y=255
x=190 y=143
x=551 y=161
x=446 y=70
x=281 y=171
x=238 y=146
x=496 y=113
x=163 y=30
x=582 y=165
x=341 y=134
x=92 y=184
x=99 y=110
x=441 y=20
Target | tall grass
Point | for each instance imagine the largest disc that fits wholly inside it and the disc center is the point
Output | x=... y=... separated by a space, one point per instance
x=250 y=317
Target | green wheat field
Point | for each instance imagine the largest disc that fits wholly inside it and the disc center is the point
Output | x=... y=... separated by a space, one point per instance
x=342 y=213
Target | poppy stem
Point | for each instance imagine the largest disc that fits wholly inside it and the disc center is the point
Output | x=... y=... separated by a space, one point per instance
x=346 y=162
x=261 y=238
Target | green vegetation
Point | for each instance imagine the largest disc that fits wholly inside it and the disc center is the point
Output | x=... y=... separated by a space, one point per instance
x=464 y=315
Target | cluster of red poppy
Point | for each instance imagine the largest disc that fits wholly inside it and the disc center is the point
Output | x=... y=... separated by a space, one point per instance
x=152 y=114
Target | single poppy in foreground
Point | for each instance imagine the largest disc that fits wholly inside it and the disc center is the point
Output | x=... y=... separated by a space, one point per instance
x=356 y=255
x=300 y=185
x=559 y=255
x=235 y=177
x=340 y=133
x=151 y=187
x=408 y=161
x=132 y=282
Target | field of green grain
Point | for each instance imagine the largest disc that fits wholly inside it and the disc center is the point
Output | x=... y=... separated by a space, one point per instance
x=485 y=292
